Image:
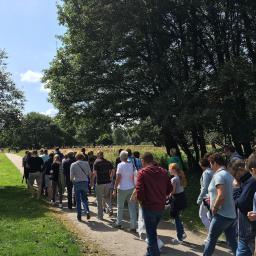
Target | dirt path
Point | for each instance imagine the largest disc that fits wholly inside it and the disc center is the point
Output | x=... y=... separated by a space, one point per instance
x=120 y=242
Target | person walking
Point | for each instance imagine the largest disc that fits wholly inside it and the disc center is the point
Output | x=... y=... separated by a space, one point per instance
x=222 y=206
x=35 y=165
x=173 y=158
x=103 y=171
x=55 y=180
x=137 y=160
x=124 y=186
x=66 y=171
x=26 y=166
x=202 y=199
x=231 y=154
x=251 y=166
x=91 y=160
x=46 y=171
x=152 y=197
x=244 y=204
x=178 y=200
x=79 y=172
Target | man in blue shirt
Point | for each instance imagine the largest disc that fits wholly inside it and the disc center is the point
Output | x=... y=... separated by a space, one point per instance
x=244 y=204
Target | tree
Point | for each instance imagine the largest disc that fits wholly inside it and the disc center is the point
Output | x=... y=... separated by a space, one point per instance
x=120 y=136
x=38 y=130
x=11 y=99
x=92 y=131
x=105 y=139
x=167 y=60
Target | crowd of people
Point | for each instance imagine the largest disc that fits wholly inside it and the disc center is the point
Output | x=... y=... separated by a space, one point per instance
x=227 y=199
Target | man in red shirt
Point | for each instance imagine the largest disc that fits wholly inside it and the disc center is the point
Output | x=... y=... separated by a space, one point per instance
x=153 y=185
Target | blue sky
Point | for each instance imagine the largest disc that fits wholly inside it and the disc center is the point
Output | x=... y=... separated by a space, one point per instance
x=27 y=33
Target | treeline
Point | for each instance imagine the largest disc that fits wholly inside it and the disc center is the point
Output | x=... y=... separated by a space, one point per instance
x=188 y=66
x=35 y=130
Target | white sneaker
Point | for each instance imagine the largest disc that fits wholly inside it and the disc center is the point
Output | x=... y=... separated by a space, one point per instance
x=184 y=236
x=177 y=241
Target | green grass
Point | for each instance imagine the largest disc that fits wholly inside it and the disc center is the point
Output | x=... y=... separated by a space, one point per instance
x=26 y=225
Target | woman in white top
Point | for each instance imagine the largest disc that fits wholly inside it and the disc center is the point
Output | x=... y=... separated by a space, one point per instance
x=124 y=187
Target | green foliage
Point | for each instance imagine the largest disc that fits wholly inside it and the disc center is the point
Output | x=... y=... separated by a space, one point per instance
x=105 y=139
x=120 y=136
x=188 y=66
x=36 y=130
x=11 y=99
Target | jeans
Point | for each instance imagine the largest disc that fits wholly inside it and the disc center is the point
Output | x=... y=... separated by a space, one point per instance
x=179 y=227
x=103 y=198
x=152 y=219
x=218 y=225
x=81 y=197
x=204 y=215
x=245 y=248
x=122 y=196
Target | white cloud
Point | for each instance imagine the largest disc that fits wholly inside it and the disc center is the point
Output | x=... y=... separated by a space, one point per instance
x=43 y=89
x=31 y=77
x=50 y=112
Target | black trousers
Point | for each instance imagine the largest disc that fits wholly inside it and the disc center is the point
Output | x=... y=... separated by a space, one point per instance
x=70 y=194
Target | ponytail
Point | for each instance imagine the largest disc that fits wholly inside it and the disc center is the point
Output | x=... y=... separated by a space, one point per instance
x=181 y=174
x=183 y=179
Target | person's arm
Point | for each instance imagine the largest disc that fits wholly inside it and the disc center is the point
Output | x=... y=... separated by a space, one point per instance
x=220 y=199
x=140 y=188
x=71 y=172
x=169 y=186
x=117 y=182
x=204 y=189
x=93 y=176
x=243 y=202
x=174 y=183
x=112 y=173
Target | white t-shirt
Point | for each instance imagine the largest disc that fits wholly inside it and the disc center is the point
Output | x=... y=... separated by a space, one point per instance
x=126 y=170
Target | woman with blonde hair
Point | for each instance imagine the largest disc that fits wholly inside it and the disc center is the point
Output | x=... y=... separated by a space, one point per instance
x=178 y=200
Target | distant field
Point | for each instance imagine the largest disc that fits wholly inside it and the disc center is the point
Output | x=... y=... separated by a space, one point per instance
x=111 y=153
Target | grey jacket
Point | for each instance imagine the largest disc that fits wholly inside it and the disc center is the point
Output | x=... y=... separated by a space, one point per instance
x=79 y=171
x=204 y=182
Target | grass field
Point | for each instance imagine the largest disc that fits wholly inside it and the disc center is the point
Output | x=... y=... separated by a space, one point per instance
x=27 y=227
x=190 y=216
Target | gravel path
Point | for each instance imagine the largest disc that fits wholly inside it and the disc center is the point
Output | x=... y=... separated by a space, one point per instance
x=120 y=242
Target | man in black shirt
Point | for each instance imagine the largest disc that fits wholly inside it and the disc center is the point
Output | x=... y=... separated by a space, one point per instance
x=35 y=164
x=103 y=171
x=85 y=155
x=66 y=171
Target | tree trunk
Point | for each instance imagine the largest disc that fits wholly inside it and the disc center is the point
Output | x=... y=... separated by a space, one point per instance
x=201 y=141
x=192 y=163
x=195 y=143
x=247 y=148
x=238 y=147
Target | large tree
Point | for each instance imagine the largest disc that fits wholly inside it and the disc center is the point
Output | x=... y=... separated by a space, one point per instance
x=172 y=61
x=11 y=99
